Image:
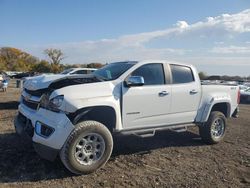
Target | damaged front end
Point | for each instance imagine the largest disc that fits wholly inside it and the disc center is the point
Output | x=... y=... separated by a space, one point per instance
x=39 y=116
x=40 y=98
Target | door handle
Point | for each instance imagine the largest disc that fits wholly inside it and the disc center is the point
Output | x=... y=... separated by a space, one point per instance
x=193 y=91
x=163 y=93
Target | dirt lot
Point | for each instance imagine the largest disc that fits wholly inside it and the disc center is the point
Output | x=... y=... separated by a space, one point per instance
x=167 y=160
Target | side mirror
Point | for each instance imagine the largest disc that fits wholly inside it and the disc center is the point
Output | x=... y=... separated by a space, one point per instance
x=133 y=81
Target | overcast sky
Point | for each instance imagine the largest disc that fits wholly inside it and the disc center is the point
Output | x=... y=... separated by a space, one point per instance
x=213 y=35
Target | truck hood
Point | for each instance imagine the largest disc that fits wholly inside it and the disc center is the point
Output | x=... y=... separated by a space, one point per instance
x=94 y=94
x=57 y=81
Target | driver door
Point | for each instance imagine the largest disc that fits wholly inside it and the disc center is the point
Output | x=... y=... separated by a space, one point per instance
x=147 y=105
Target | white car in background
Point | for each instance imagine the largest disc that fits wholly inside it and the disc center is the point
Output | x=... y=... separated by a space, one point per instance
x=243 y=88
x=78 y=71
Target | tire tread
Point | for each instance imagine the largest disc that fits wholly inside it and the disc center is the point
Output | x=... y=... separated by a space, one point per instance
x=66 y=146
x=205 y=129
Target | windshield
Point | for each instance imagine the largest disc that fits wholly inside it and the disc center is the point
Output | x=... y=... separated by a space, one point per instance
x=66 y=71
x=113 y=71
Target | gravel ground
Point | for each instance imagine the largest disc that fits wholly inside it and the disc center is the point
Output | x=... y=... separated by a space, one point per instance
x=167 y=160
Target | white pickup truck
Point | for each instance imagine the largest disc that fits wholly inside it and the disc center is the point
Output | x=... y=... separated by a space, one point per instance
x=76 y=116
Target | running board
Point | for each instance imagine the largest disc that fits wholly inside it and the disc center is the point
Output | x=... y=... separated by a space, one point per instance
x=145 y=134
x=179 y=130
x=142 y=132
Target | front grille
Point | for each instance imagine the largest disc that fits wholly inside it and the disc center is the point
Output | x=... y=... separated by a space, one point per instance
x=31 y=104
x=37 y=93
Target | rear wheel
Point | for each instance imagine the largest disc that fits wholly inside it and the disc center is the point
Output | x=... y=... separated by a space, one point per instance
x=213 y=131
x=87 y=148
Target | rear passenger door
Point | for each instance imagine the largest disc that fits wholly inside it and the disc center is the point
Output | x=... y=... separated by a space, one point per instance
x=186 y=94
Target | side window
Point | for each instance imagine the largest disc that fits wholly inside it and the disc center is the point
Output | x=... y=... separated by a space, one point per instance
x=181 y=74
x=80 y=72
x=90 y=71
x=153 y=74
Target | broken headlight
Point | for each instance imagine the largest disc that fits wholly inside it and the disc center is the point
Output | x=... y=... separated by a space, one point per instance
x=53 y=104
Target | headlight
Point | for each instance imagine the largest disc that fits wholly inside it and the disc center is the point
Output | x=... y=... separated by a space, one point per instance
x=57 y=101
x=54 y=104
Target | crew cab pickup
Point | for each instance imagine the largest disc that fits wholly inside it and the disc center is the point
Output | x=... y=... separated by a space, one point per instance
x=76 y=116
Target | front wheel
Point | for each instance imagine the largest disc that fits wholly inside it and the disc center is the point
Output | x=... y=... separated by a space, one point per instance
x=87 y=148
x=213 y=131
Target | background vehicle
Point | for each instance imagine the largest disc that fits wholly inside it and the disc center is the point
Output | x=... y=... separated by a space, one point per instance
x=4 y=76
x=11 y=74
x=23 y=75
x=243 y=87
x=78 y=71
x=75 y=116
x=245 y=95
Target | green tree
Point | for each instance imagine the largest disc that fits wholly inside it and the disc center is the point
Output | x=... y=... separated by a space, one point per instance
x=55 y=68
x=2 y=65
x=67 y=66
x=16 y=60
x=94 y=65
x=21 y=65
x=42 y=67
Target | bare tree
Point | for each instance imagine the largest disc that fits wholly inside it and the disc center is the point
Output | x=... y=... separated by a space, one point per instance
x=55 y=55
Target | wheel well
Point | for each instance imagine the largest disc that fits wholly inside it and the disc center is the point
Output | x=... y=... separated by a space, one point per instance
x=223 y=108
x=103 y=114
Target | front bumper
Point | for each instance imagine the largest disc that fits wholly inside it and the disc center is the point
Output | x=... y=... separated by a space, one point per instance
x=25 y=125
x=45 y=151
x=25 y=129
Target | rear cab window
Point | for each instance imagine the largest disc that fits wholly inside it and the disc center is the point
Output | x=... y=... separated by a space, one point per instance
x=181 y=74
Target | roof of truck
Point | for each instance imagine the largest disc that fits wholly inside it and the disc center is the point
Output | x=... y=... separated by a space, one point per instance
x=155 y=61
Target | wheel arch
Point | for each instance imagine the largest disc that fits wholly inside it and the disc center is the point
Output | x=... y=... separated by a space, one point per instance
x=103 y=114
x=223 y=107
x=220 y=106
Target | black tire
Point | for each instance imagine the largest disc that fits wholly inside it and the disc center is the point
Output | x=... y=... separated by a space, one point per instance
x=83 y=133
x=206 y=129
